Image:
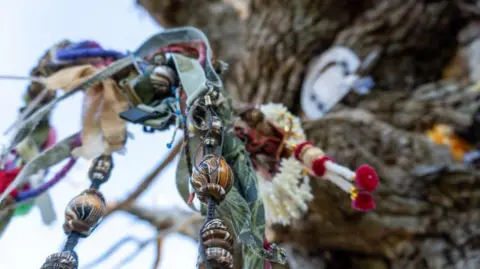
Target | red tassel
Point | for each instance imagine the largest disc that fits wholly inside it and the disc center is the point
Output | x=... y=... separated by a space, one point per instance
x=366 y=178
x=363 y=202
x=299 y=148
x=318 y=165
x=6 y=178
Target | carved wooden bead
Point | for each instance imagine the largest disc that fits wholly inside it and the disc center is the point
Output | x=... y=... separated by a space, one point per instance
x=218 y=244
x=62 y=260
x=101 y=168
x=215 y=179
x=84 y=212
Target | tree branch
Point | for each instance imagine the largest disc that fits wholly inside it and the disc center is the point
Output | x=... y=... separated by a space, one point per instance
x=218 y=19
x=178 y=220
x=158 y=253
x=146 y=182
x=166 y=221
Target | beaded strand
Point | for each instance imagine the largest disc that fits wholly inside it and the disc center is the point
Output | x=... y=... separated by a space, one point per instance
x=82 y=215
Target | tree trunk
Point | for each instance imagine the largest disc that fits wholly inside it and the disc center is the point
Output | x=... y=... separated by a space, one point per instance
x=427 y=206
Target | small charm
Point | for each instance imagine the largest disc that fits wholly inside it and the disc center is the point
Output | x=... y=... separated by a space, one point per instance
x=162 y=79
x=218 y=243
x=101 y=169
x=62 y=260
x=84 y=212
x=214 y=178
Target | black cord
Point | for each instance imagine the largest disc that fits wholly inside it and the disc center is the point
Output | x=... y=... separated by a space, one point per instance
x=72 y=241
x=186 y=144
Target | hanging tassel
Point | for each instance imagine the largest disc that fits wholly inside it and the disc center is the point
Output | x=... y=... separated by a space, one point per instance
x=365 y=178
x=363 y=201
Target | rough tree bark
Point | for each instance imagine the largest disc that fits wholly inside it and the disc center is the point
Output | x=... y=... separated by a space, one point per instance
x=427 y=206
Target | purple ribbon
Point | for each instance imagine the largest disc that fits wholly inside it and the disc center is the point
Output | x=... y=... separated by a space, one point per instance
x=25 y=195
x=86 y=49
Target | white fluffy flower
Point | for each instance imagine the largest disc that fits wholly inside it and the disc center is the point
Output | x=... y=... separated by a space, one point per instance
x=278 y=114
x=287 y=194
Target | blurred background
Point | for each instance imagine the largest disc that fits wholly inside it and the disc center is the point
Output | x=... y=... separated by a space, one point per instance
x=391 y=83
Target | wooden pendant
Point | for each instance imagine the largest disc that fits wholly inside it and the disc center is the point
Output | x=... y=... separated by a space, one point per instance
x=84 y=212
x=218 y=244
x=62 y=260
x=215 y=179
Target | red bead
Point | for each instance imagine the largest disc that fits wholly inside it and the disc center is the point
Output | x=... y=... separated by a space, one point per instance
x=299 y=148
x=363 y=202
x=6 y=178
x=318 y=165
x=366 y=178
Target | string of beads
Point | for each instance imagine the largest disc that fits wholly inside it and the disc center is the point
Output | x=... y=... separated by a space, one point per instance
x=211 y=180
x=82 y=215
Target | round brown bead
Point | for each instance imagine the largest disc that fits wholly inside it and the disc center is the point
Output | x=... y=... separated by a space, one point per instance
x=162 y=78
x=218 y=244
x=84 y=212
x=215 y=179
x=62 y=260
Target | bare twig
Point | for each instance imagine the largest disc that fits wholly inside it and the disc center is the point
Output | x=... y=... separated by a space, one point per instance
x=159 y=252
x=146 y=182
x=114 y=248
x=134 y=253
x=166 y=221
x=182 y=221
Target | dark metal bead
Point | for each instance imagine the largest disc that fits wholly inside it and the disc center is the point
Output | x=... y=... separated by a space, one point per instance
x=84 y=212
x=218 y=244
x=217 y=127
x=62 y=260
x=101 y=169
x=199 y=119
x=159 y=59
x=211 y=142
x=215 y=179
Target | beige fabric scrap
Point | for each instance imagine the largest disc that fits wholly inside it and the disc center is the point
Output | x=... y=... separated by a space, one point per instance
x=103 y=131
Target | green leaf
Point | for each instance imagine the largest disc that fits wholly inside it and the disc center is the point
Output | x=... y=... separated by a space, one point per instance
x=236 y=209
x=251 y=259
x=245 y=196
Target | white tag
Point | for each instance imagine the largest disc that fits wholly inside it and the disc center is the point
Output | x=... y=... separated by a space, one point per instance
x=325 y=82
